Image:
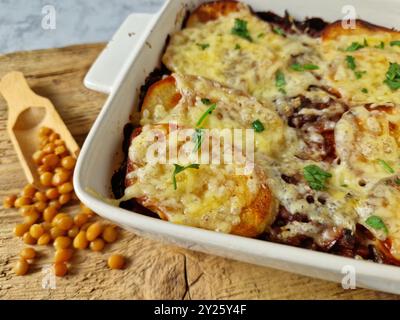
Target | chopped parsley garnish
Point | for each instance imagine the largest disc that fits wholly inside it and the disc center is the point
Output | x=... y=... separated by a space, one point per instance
x=344 y=185
x=356 y=46
x=365 y=42
x=386 y=166
x=207 y=113
x=359 y=74
x=351 y=64
x=240 y=29
x=258 y=126
x=179 y=169
x=304 y=67
x=364 y=90
x=395 y=43
x=316 y=177
x=203 y=46
x=393 y=76
x=279 y=31
x=397 y=181
x=237 y=47
x=280 y=81
x=381 y=45
x=261 y=35
x=376 y=223
x=198 y=138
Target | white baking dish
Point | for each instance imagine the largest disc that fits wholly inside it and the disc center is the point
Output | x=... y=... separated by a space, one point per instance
x=120 y=71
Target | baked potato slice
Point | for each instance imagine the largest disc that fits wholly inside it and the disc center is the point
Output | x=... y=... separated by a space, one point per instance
x=163 y=92
x=213 y=197
x=258 y=216
x=212 y=11
x=362 y=28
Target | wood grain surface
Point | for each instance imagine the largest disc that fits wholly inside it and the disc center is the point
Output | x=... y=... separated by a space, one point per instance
x=154 y=270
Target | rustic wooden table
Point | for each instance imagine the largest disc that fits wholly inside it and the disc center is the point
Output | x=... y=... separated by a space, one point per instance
x=154 y=270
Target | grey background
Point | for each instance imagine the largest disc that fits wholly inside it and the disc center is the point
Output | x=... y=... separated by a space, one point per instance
x=77 y=21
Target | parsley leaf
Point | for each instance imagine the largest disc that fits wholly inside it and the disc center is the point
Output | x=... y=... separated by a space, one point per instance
x=351 y=62
x=258 y=126
x=359 y=74
x=364 y=90
x=198 y=138
x=203 y=46
x=237 y=47
x=376 y=223
x=261 y=35
x=393 y=76
x=304 y=67
x=393 y=72
x=397 y=181
x=280 y=81
x=179 y=169
x=296 y=67
x=205 y=114
x=381 y=45
x=316 y=177
x=395 y=43
x=386 y=166
x=355 y=46
x=309 y=66
x=240 y=29
x=279 y=31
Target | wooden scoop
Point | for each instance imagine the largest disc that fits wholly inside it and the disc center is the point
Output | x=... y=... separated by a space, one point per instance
x=27 y=113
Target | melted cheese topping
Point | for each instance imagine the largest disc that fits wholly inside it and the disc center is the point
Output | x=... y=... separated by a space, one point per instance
x=368 y=144
x=383 y=201
x=372 y=61
x=253 y=67
x=213 y=196
x=234 y=110
x=366 y=137
x=239 y=63
x=210 y=197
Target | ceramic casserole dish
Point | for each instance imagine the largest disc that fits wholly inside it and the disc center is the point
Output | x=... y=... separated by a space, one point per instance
x=121 y=70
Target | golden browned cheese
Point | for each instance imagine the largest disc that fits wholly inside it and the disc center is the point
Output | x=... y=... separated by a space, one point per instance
x=212 y=11
x=211 y=197
x=249 y=65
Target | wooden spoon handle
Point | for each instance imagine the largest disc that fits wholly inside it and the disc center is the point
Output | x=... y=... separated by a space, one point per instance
x=18 y=94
